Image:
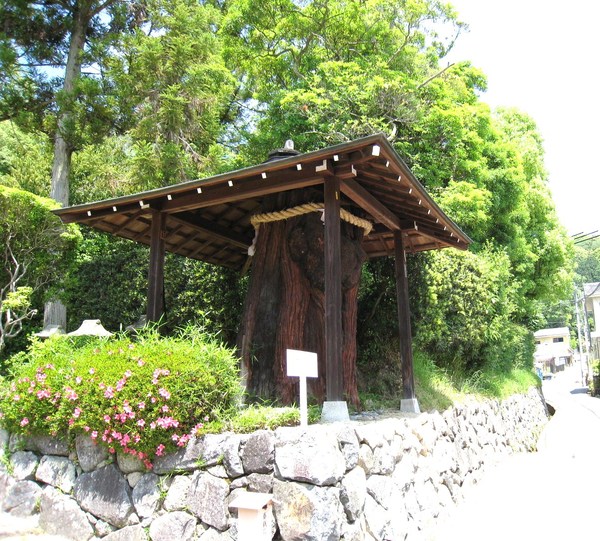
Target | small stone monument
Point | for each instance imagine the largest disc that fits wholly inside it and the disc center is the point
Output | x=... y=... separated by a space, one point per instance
x=91 y=327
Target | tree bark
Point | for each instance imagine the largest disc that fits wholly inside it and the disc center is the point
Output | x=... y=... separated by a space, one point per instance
x=284 y=306
x=55 y=312
x=63 y=151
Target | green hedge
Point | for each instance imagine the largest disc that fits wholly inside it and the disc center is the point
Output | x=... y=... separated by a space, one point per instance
x=142 y=397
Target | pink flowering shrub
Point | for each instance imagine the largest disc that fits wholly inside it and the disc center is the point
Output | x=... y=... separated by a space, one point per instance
x=144 y=397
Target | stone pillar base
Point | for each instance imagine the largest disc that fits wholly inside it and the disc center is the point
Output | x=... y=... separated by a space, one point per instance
x=409 y=405
x=334 y=412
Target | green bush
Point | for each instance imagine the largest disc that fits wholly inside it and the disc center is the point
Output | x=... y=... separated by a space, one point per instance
x=465 y=318
x=196 y=293
x=142 y=397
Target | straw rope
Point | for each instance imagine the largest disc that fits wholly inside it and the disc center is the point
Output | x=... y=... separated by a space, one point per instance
x=268 y=217
x=292 y=212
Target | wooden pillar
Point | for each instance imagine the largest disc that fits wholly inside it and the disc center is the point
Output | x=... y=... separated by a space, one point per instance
x=333 y=293
x=406 y=358
x=157 y=266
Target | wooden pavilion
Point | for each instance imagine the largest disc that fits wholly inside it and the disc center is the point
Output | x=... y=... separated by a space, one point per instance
x=211 y=220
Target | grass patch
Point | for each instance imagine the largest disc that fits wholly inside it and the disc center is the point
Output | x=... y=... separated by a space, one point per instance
x=257 y=417
x=437 y=389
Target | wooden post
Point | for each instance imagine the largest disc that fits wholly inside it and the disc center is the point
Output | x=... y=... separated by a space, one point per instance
x=406 y=358
x=157 y=266
x=333 y=293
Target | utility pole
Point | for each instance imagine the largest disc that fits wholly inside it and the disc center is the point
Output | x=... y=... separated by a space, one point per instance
x=579 y=337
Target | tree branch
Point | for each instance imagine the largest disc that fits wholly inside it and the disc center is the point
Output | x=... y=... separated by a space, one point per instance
x=436 y=75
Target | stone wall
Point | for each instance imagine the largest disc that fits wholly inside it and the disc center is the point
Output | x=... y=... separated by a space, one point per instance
x=382 y=480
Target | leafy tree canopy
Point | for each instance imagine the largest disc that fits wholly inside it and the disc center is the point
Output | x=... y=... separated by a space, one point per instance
x=36 y=250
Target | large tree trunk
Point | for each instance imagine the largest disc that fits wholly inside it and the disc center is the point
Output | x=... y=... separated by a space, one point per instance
x=55 y=312
x=284 y=306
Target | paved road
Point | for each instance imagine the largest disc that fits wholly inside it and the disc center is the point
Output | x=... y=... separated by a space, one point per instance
x=549 y=495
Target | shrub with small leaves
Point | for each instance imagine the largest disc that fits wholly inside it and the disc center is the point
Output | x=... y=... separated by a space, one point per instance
x=143 y=396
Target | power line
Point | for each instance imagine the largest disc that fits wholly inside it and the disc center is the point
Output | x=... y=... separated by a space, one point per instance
x=578 y=238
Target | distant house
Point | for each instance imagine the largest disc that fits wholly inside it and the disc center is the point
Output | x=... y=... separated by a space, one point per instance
x=591 y=293
x=553 y=349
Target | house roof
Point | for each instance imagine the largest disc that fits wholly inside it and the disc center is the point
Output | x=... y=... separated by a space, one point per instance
x=209 y=219
x=557 y=331
x=592 y=289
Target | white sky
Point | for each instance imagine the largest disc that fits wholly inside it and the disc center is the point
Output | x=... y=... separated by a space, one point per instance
x=541 y=56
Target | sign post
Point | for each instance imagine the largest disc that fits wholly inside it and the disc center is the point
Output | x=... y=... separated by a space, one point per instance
x=302 y=364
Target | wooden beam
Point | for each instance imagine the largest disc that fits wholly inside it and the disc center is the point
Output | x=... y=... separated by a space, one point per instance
x=368 y=202
x=406 y=358
x=243 y=189
x=130 y=219
x=91 y=215
x=333 y=293
x=156 y=268
x=211 y=229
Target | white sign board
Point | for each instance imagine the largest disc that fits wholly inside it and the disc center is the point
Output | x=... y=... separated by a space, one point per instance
x=302 y=364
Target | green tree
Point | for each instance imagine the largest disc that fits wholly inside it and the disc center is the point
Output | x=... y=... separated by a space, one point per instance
x=587 y=258
x=173 y=76
x=329 y=71
x=36 y=251
x=25 y=159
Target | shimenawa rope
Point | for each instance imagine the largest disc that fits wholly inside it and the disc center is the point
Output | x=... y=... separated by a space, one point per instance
x=292 y=212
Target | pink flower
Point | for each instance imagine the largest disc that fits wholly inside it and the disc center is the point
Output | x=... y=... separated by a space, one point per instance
x=71 y=394
x=111 y=450
x=164 y=409
x=152 y=425
x=128 y=373
x=160 y=450
x=167 y=422
x=16 y=397
x=40 y=376
x=140 y=362
x=24 y=421
x=78 y=380
x=76 y=413
x=157 y=373
x=141 y=405
x=109 y=393
x=107 y=418
x=185 y=438
x=71 y=422
x=141 y=422
x=164 y=393
x=92 y=370
x=86 y=428
x=94 y=434
x=44 y=393
x=120 y=384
